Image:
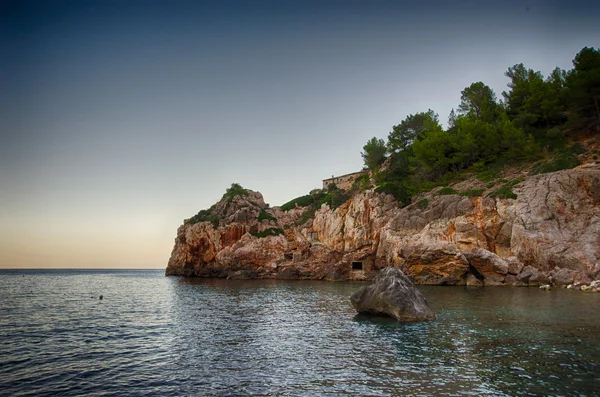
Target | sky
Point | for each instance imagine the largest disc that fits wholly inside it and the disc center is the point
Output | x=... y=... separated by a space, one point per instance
x=119 y=119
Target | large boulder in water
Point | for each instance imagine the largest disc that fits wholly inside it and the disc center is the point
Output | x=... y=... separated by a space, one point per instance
x=392 y=294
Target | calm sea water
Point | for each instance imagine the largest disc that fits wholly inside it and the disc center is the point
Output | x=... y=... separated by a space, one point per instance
x=158 y=336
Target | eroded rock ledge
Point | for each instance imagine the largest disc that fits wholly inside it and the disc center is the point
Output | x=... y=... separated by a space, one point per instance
x=549 y=234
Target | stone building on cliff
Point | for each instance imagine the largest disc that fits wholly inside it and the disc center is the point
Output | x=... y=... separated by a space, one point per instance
x=344 y=181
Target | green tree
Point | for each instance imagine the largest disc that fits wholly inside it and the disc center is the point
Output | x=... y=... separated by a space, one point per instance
x=432 y=154
x=515 y=145
x=452 y=121
x=479 y=101
x=532 y=102
x=584 y=90
x=410 y=129
x=465 y=148
x=520 y=88
x=374 y=153
x=478 y=140
x=554 y=103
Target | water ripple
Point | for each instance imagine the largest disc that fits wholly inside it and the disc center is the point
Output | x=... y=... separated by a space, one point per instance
x=158 y=336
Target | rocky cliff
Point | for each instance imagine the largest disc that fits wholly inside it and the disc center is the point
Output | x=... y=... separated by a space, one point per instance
x=549 y=234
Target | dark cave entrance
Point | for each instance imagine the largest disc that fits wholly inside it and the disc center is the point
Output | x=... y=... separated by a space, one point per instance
x=357 y=265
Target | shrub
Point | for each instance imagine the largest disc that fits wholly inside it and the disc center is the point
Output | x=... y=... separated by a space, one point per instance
x=561 y=161
x=489 y=174
x=306 y=215
x=265 y=215
x=402 y=191
x=473 y=193
x=272 y=231
x=302 y=201
x=446 y=190
x=423 y=203
x=578 y=149
x=504 y=192
x=338 y=197
x=234 y=190
x=325 y=199
x=361 y=183
x=205 y=216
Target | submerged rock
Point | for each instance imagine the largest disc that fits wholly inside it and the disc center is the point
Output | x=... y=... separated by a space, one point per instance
x=392 y=294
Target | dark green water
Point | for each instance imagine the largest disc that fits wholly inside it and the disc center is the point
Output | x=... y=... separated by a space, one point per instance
x=158 y=336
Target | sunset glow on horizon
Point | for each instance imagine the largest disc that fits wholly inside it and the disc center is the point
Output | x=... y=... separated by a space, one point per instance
x=120 y=120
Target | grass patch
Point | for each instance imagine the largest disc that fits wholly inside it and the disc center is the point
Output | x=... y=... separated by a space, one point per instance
x=272 y=231
x=473 y=193
x=561 y=161
x=506 y=190
x=446 y=190
x=489 y=174
x=423 y=204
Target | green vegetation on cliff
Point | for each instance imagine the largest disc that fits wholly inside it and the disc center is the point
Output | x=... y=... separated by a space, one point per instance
x=534 y=123
x=272 y=231
x=211 y=215
x=234 y=190
x=265 y=215
x=205 y=216
x=334 y=197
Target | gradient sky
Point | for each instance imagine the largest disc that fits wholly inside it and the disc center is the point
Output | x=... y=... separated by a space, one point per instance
x=118 y=119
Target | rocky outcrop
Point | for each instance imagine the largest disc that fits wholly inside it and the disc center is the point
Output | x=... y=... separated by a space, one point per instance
x=557 y=222
x=324 y=247
x=549 y=234
x=392 y=294
x=553 y=226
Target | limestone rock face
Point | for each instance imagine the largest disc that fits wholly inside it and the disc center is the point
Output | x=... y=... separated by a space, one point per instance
x=392 y=294
x=549 y=234
x=440 y=263
x=356 y=223
x=489 y=266
x=324 y=247
x=557 y=221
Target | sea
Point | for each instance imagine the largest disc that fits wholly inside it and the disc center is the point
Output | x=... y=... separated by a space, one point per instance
x=152 y=335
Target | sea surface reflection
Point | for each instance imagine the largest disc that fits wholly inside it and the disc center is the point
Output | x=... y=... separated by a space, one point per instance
x=153 y=335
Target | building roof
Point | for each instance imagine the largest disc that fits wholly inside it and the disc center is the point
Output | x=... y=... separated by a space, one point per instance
x=363 y=171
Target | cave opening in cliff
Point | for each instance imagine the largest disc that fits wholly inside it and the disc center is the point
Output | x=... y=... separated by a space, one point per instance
x=357 y=266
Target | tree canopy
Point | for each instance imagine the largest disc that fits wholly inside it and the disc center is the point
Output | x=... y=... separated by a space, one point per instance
x=374 y=153
x=584 y=90
x=479 y=101
x=537 y=113
x=410 y=129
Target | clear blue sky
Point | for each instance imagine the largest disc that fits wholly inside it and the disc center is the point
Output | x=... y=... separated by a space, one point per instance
x=118 y=119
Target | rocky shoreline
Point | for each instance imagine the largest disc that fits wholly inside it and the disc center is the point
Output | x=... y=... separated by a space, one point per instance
x=548 y=235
